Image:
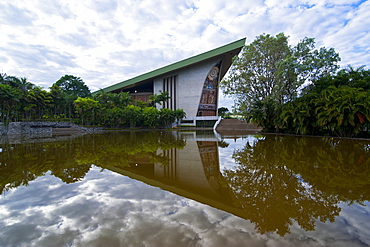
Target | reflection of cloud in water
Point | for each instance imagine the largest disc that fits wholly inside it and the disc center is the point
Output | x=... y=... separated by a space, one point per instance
x=225 y=154
x=107 y=209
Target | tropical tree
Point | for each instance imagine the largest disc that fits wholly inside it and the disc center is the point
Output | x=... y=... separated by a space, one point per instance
x=40 y=101
x=9 y=98
x=86 y=108
x=222 y=111
x=334 y=104
x=151 y=117
x=2 y=78
x=114 y=117
x=264 y=114
x=11 y=81
x=110 y=100
x=60 y=107
x=299 y=117
x=133 y=115
x=72 y=87
x=343 y=111
x=167 y=117
x=20 y=86
x=160 y=98
x=350 y=77
x=179 y=114
x=24 y=85
x=269 y=72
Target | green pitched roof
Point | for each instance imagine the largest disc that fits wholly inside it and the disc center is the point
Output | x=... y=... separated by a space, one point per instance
x=178 y=65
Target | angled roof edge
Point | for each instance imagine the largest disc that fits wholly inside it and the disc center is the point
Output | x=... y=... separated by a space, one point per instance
x=178 y=65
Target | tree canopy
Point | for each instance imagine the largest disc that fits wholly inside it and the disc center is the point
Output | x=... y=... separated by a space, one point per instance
x=69 y=99
x=336 y=105
x=269 y=73
x=73 y=85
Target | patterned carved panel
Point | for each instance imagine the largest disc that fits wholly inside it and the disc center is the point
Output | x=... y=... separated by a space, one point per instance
x=208 y=100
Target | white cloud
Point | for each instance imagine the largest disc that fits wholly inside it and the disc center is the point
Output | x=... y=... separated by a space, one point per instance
x=105 y=42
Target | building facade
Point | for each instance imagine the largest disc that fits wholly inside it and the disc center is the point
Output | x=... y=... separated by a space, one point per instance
x=192 y=84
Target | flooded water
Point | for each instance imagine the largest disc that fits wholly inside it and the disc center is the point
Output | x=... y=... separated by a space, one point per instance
x=185 y=189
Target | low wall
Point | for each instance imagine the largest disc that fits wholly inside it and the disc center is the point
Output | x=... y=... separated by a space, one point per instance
x=39 y=128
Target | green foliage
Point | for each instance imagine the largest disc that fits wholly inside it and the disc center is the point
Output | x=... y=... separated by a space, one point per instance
x=311 y=64
x=256 y=73
x=59 y=100
x=113 y=117
x=110 y=100
x=160 y=99
x=263 y=113
x=67 y=98
x=334 y=105
x=23 y=100
x=39 y=102
x=222 y=111
x=266 y=76
x=167 y=117
x=133 y=115
x=118 y=110
x=9 y=97
x=72 y=88
x=86 y=108
x=343 y=111
x=299 y=116
x=150 y=117
x=269 y=72
x=350 y=77
x=73 y=85
x=179 y=114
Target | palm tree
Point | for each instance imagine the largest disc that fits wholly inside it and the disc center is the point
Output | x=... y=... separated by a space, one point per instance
x=9 y=97
x=41 y=98
x=160 y=98
x=58 y=96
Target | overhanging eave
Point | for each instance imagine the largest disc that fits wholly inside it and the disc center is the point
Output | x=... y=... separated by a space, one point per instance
x=232 y=48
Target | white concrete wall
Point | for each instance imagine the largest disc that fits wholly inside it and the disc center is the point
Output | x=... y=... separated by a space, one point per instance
x=189 y=86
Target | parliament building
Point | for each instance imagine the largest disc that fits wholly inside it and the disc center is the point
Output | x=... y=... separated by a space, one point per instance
x=191 y=83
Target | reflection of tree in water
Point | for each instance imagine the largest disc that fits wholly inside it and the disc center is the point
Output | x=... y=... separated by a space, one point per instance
x=340 y=167
x=21 y=163
x=70 y=161
x=121 y=149
x=284 y=179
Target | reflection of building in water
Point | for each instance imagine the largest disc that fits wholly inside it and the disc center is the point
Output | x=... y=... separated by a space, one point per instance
x=209 y=154
x=192 y=171
x=195 y=167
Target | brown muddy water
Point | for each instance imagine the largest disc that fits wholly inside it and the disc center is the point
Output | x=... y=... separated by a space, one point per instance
x=175 y=188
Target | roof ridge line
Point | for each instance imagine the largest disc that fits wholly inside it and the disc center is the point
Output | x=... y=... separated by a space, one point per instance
x=178 y=65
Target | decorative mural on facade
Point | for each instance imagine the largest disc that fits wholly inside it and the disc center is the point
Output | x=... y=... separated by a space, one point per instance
x=208 y=100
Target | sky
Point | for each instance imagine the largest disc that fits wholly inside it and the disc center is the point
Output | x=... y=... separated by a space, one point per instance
x=107 y=41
